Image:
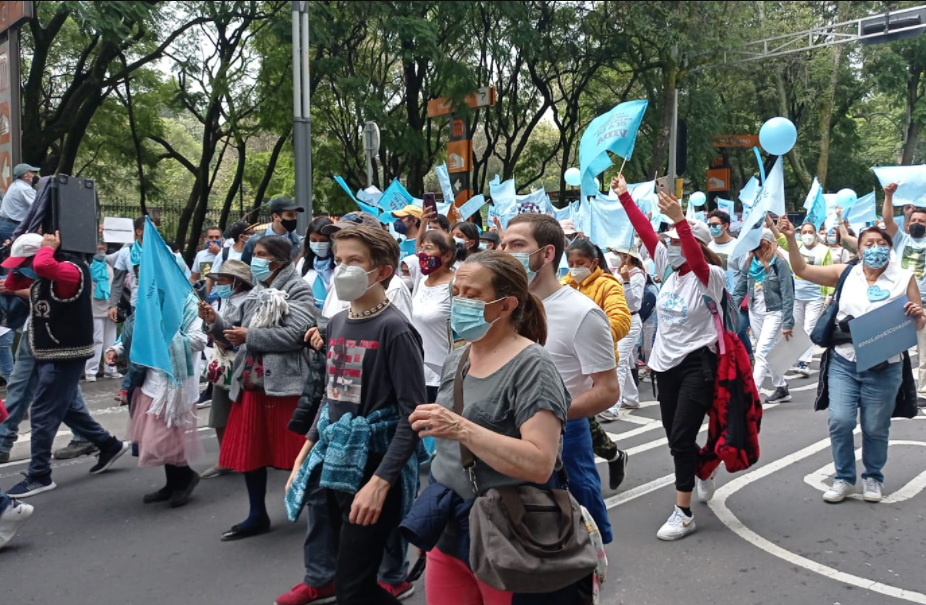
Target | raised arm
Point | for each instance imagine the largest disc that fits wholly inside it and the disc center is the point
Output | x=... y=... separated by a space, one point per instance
x=822 y=276
x=887 y=211
x=639 y=221
x=694 y=256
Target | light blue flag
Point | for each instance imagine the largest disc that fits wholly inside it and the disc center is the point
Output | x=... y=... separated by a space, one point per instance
x=610 y=225
x=407 y=247
x=562 y=214
x=344 y=186
x=726 y=206
x=536 y=202
x=859 y=215
x=364 y=207
x=395 y=197
x=162 y=295
x=443 y=177
x=503 y=196
x=911 y=183
x=371 y=196
x=614 y=132
x=581 y=216
x=815 y=205
x=444 y=207
x=644 y=194
x=472 y=206
x=770 y=198
x=749 y=192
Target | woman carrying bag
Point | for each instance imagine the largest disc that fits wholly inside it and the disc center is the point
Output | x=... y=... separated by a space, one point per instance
x=870 y=394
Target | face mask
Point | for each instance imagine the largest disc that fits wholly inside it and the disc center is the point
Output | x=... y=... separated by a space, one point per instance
x=400 y=227
x=618 y=263
x=28 y=272
x=223 y=291
x=459 y=241
x=580 y=274
x=809 y=240
x=351 y=282
x=407 y=280
x=467 y=318
x=320 y=249
x=676 y=257
x=429 y=264
x=876 y=257
x=831 y=240
x=209 y=243
x=35 y=180
x=525 y=259
x=290 y=226
x=917 y=231
x=757 y=271
x=716 y=230
x=260 y=267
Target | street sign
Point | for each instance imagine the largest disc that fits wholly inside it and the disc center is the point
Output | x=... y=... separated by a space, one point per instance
x=371 y=138
x=459 y=156
x=14 y=13
x=740 y=141
x=6 y=170
x=484 y=97
x=718 y=179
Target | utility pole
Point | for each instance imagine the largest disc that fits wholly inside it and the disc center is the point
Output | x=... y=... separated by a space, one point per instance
x=302 y=117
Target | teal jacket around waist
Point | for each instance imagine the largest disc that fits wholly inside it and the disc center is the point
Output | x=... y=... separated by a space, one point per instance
x=778 y=289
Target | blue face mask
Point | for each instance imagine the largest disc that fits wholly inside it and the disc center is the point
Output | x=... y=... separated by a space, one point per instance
x=876 y=257
x=260 y=268
x=467 y=318
x=525 y=259
x=223 y=291
x=716 y=230
x=28 y=272
x=400 y=227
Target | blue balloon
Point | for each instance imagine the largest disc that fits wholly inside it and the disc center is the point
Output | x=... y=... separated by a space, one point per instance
x=573 y=177
x=846 y=198
x=697 y=199
x=778 y=136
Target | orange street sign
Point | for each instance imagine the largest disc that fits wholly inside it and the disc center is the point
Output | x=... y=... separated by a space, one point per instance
x=459 y=155
x=484 y=97
x=718 y=179
x=744 y=141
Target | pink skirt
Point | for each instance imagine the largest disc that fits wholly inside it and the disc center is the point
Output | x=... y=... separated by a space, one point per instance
x=159 y=444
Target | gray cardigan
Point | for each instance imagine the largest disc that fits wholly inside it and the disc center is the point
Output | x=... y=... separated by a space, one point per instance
x=285 y=366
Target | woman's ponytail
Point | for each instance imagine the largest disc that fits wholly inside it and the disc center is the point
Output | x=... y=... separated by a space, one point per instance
x=531 y=320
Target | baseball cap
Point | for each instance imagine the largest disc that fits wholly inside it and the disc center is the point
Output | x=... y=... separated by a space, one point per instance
x=21 y=169
x=410 y=210
x=284 y=204
x=700 y=230
x=489 y=236
x=25 y=246
x=352 y=219
x=569 y=227
x=768 y=236
x=237 y=230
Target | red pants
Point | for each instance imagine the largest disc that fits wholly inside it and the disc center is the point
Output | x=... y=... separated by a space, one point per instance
x=448 y=581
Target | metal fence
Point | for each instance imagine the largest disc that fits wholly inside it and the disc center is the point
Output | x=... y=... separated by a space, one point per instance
x=167 y=216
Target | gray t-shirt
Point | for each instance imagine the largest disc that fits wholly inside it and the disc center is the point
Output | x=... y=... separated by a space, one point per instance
x=501 y=403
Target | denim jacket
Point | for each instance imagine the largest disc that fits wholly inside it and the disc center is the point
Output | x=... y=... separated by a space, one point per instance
x=778 y=288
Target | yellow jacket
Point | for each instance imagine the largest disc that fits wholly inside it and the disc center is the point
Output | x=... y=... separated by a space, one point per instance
x=608 y=293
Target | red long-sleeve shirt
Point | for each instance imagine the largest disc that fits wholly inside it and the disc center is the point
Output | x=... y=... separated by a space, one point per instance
x=65 y=275
x=694 y=256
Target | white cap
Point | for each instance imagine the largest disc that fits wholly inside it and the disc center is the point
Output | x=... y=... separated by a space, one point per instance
x=25 y=246
x=700 y=230
x=768 y=236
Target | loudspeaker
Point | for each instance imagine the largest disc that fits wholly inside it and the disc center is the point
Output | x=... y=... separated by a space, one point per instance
x=73 y=214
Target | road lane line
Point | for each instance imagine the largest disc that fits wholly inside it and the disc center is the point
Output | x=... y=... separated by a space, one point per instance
x=818 y=479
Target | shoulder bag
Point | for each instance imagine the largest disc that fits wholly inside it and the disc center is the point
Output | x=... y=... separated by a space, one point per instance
x=526 y=538
x=822 y=334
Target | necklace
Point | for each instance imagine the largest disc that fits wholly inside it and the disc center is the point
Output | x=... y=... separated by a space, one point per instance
x=369 y=312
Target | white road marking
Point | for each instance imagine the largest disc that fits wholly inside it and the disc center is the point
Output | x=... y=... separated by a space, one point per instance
x=638 y=420
x=819 y=480
x=719 y=506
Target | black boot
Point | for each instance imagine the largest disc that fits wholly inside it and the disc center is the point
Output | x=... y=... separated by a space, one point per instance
x=187 y=480
x=163 y=494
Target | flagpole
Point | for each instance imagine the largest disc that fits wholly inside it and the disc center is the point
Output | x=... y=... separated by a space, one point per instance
x=621 y=171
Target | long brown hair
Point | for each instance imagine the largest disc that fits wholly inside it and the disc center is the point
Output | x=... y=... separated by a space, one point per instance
x=764 y=256
x=710 y=256
x=510 y=279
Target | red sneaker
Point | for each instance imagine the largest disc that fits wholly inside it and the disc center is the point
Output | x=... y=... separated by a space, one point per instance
x=400 y=591
x=307 y=595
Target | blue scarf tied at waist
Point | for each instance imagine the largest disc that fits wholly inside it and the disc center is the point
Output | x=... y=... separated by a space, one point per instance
x=100 y=277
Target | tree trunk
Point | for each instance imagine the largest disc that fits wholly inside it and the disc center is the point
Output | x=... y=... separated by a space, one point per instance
x=136 y=141
x=76 y=133
x=236 y=184
x=826 y=110
x=268 y=173
x=912 y=129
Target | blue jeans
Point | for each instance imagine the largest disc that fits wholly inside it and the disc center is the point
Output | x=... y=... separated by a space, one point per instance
x=743 y=331
x=56 y=401
x=6 y=354
x=6 y=232
x=584 y=480
x=320 y=547
x=874 y=394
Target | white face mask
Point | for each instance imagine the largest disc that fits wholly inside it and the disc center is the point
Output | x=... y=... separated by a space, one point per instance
x=809 y=240
x=676 y=257
x=580 y=274
x=351 y=282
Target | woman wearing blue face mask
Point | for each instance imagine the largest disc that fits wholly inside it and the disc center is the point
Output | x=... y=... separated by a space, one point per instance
x=768 y=282
x=870 y=394
x=514 y=414
x=317 y=263
x=233 y=282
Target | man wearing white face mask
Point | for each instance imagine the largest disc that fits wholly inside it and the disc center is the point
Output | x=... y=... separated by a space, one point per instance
x=397 y=293
x=581 y=345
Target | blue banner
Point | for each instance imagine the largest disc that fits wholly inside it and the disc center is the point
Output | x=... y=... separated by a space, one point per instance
x=503 y=196
x=443 y=177
x=770 y=197
x=363 y=207
x=881 y=334
x=472 y=206
x=162 y=295
x=536 y=202
x=610 y=225
x=395 y=197
x=749 y=192
x=911 y=183
x=614 y=132
x=815 y=204
x=726 y=206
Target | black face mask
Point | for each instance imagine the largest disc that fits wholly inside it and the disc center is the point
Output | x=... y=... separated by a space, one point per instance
x=917 y=231
x=290 y=226
x=35 y=180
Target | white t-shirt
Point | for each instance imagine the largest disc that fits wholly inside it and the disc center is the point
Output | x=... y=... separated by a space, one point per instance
x=724 y=251
x=397 y=294
x=578 y=339
x=431 y=317
x=853 y=300
x=203 y=263
x=124 y=263
x=912 y=257
x=220 y=258
x=685 y=322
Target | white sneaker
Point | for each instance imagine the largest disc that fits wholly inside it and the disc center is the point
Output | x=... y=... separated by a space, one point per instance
x=629 y=405
x=839 y=491
x=12 y=519
x=871 y=490
x=91 y=378
x=113 y=375
x=677 y=527
x=608 y=416
x=706 y=488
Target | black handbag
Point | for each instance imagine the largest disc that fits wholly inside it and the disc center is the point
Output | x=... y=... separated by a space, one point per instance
x=822 y=334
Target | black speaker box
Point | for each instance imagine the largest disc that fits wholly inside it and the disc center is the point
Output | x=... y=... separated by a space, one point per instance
x=73 y=214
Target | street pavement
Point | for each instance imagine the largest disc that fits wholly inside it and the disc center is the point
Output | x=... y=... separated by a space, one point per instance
x=766 y=538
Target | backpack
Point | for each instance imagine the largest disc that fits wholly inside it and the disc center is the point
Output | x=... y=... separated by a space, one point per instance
x=650 y=294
